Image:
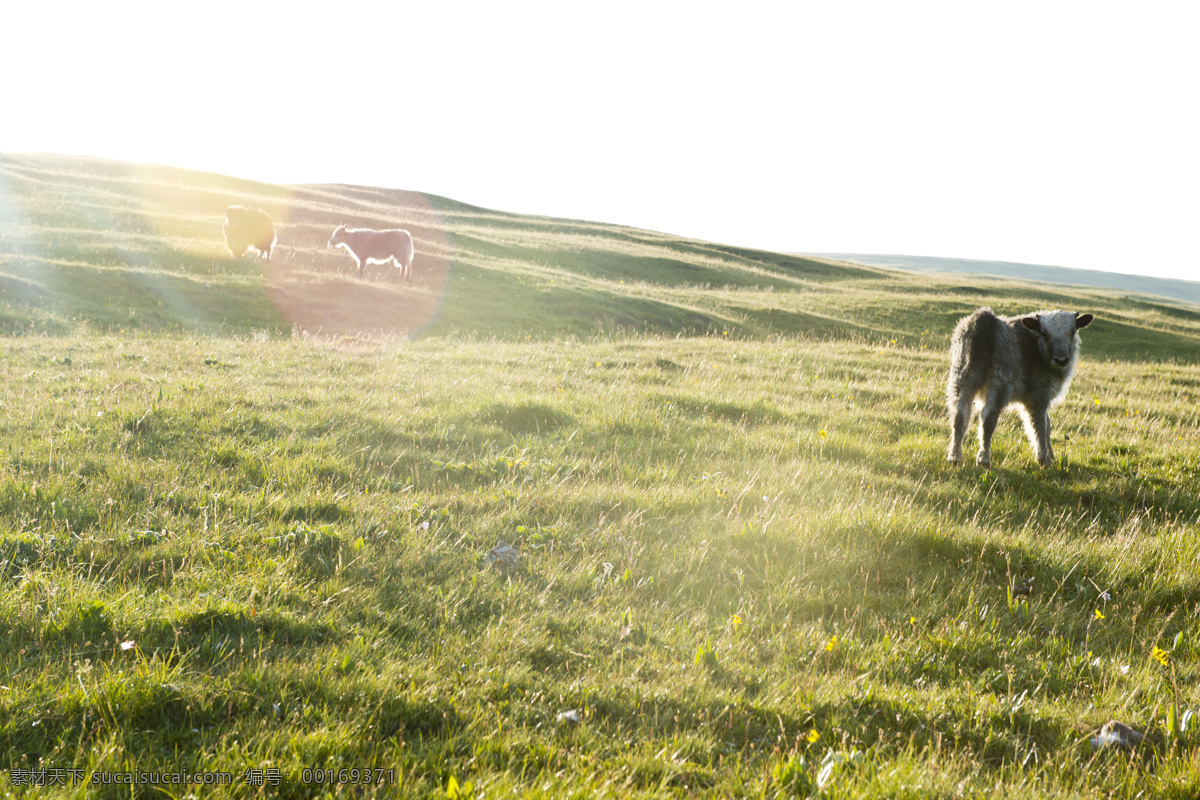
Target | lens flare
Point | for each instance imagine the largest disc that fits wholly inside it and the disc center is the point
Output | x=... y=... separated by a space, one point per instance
x=318 y=291
x=87 y=241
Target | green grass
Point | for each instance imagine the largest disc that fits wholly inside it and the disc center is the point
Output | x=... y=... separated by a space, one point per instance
x=743 y=556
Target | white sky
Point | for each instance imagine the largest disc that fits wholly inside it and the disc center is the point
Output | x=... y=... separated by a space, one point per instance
x=1062 y=133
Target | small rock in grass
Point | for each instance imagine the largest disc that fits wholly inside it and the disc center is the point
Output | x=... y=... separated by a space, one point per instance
x=1117 y=734
x=504 y=557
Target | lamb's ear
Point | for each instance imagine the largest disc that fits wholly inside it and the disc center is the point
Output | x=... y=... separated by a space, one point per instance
x=1032 y=323
x=1082 y=320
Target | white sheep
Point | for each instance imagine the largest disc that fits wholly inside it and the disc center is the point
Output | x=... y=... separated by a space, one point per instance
x=376 y=247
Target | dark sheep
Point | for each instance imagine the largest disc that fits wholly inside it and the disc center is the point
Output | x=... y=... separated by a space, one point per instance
x=1026 y=362
x=247 y=228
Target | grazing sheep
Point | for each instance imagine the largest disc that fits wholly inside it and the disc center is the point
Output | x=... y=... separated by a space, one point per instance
x=377 y=247
x=1026 y=362
x=249 y=227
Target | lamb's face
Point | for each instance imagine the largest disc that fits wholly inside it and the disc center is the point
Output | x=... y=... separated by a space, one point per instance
x=1056 y=335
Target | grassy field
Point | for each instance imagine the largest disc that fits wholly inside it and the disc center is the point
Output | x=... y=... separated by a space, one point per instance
x=245 y=510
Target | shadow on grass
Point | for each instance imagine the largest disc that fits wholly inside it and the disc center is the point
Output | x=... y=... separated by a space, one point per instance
x=145 y=706
x=526 y=418
x=1100 y=498
x=891 y=726
x=1086 y=501
x=207 y=634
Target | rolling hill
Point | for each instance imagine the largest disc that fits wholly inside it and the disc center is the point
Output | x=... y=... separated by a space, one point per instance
x=83 y=238
x=131 y=247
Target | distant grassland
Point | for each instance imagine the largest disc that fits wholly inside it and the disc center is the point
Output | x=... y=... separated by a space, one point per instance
x=246 y=529
x=1187 y=291
x=137 y=248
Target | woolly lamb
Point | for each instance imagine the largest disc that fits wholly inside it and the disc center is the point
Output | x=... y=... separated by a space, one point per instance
x=995 y=362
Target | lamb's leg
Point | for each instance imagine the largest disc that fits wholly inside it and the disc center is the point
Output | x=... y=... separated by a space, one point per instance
x=987 y=426
x=1041 y=439
x=960 y=418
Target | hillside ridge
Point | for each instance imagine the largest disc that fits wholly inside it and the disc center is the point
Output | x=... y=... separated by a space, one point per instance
x=1168 y=288
x=116 y=246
